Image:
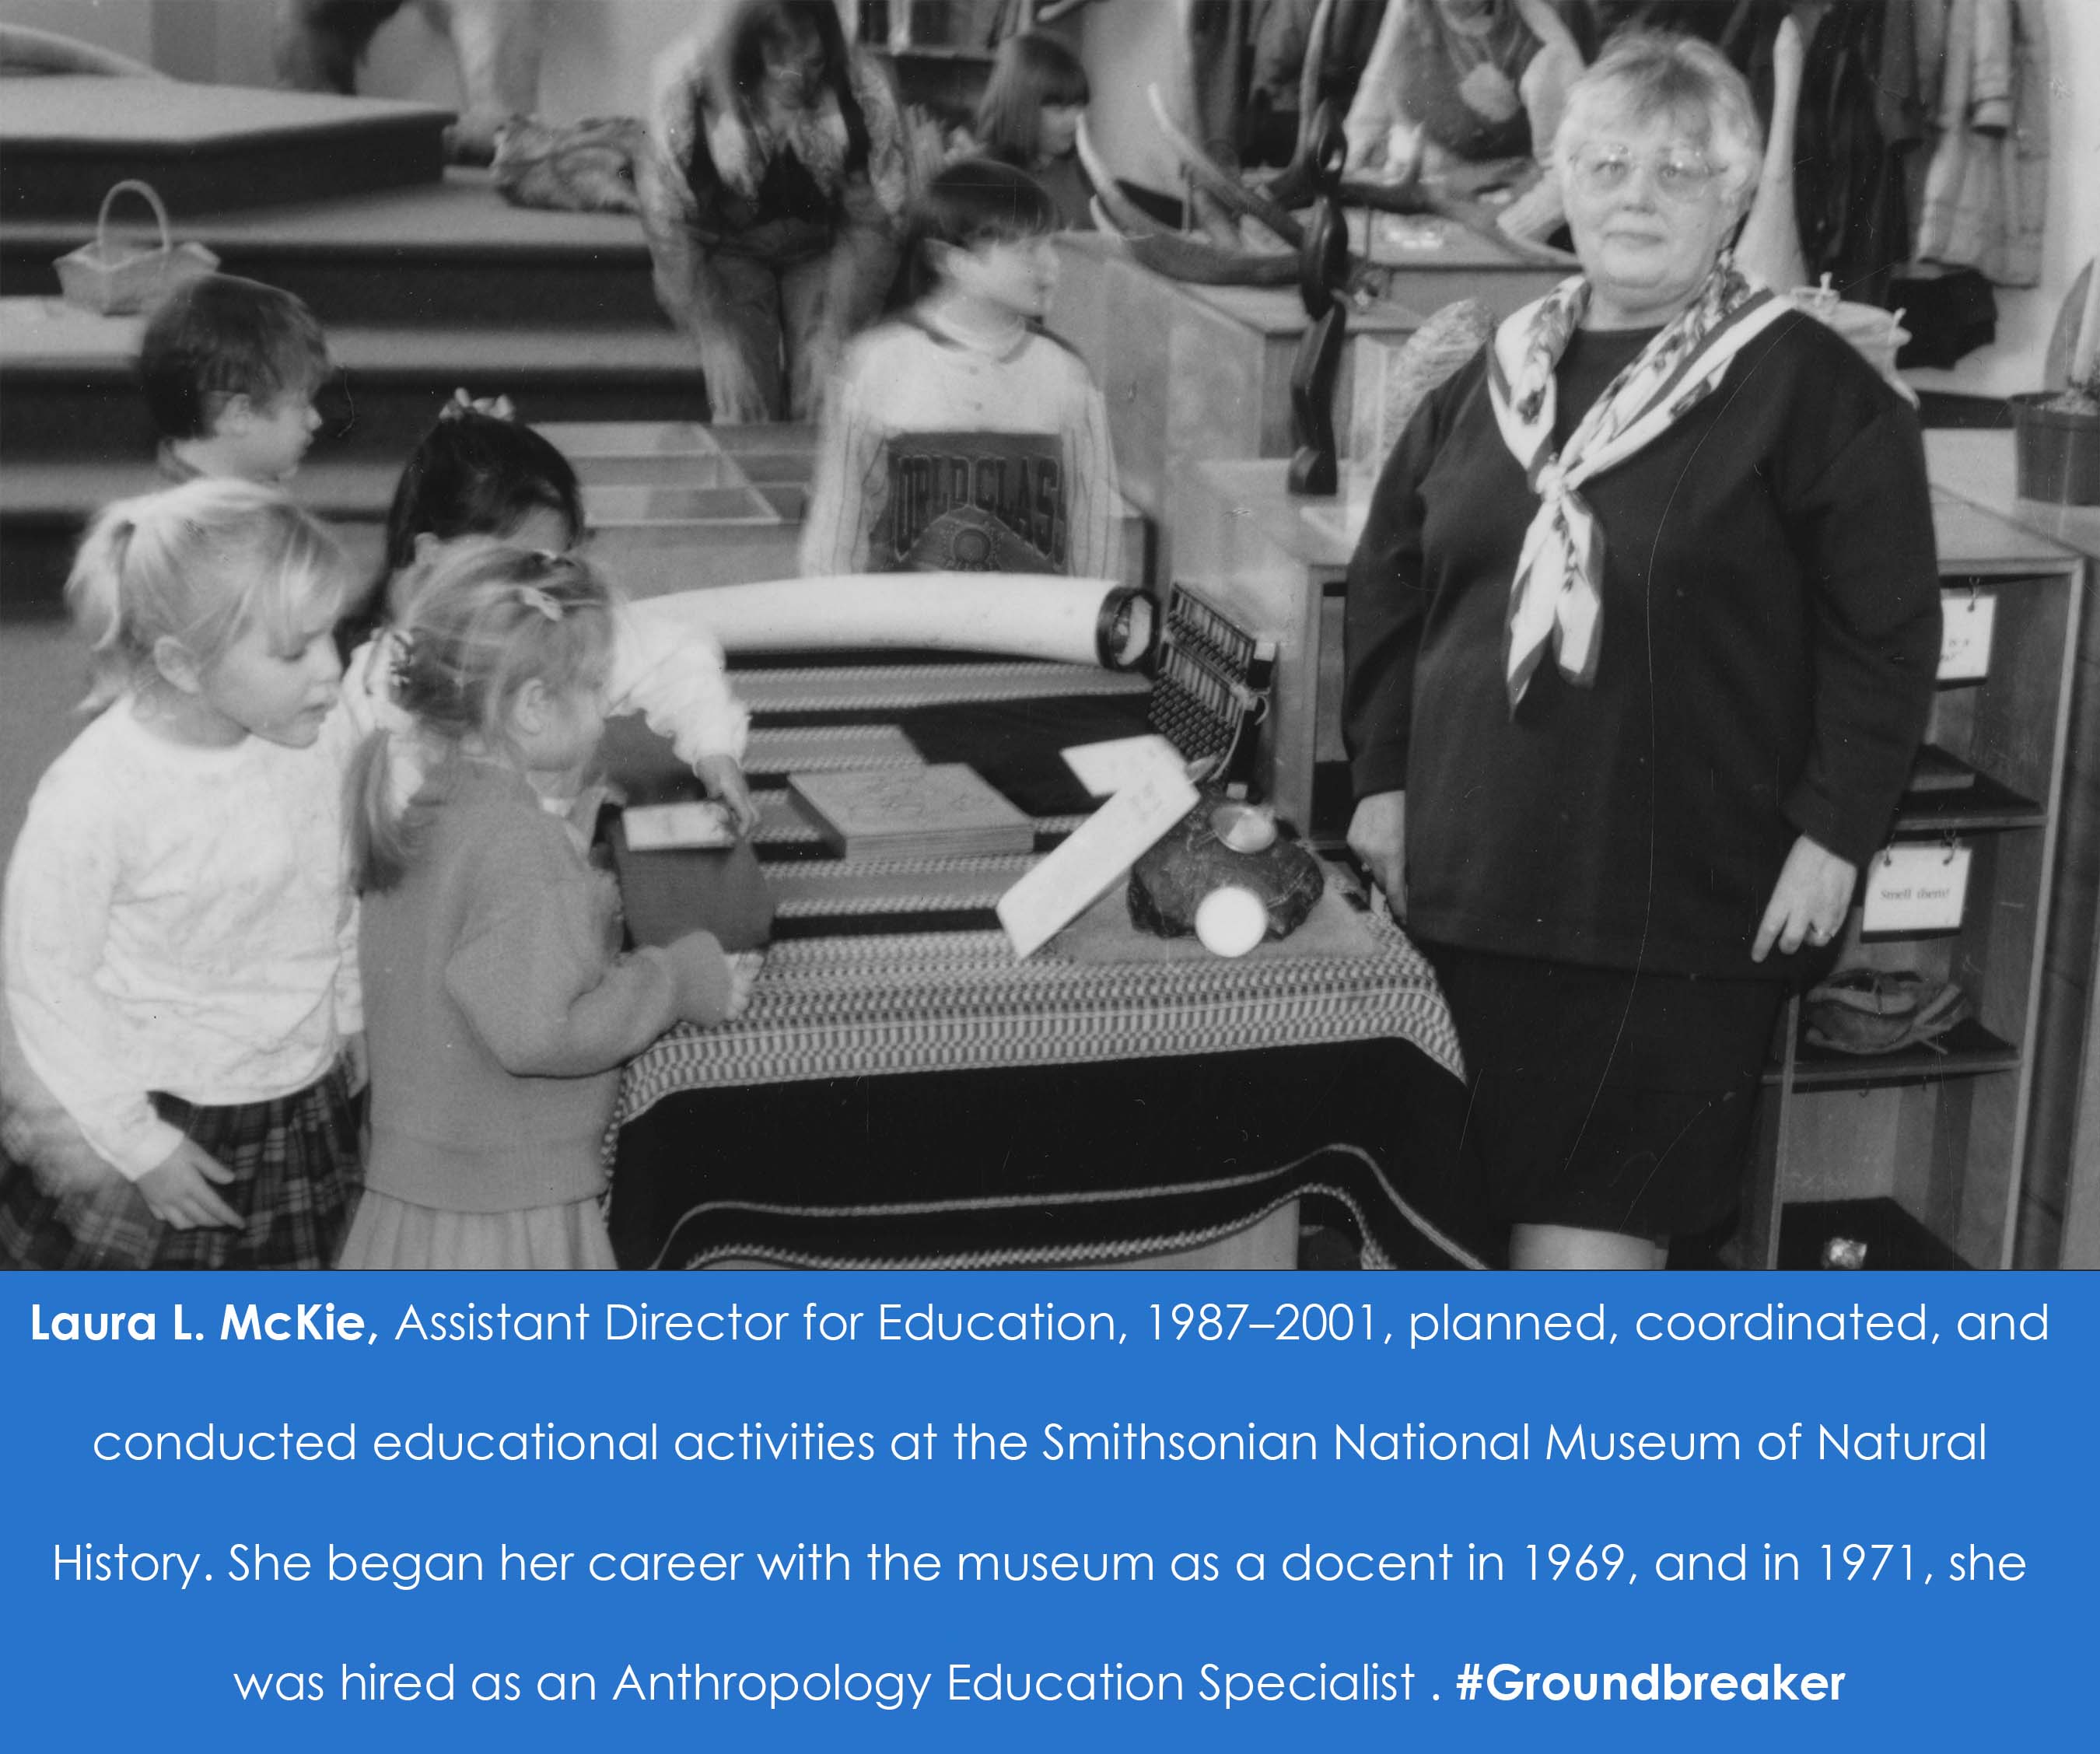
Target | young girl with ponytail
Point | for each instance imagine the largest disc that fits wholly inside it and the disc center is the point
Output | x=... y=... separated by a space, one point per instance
x=501 y=1007
x=180 y=967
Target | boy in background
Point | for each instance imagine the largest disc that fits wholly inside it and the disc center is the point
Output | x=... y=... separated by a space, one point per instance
x=230 y=369
x=962 y=437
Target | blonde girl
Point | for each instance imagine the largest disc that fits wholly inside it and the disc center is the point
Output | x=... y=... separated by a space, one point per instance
x=180 y=962
x=501 y=1006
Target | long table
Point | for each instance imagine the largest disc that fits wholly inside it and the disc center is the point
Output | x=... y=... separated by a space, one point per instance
x=902 y=1092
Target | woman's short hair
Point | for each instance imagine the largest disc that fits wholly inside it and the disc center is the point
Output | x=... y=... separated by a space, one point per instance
x=1644 y=74
x=1031 y=70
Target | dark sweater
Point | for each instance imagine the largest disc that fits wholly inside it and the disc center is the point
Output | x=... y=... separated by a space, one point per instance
x=1770 y=635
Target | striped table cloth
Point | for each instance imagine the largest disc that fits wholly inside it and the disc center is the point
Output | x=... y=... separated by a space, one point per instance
x=856 y=1005
x=903 y=1092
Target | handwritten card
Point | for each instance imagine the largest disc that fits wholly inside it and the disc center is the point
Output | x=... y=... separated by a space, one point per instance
x=1105 y=845
x=1106 y=768
x=1967 y=618
x=1917 y=887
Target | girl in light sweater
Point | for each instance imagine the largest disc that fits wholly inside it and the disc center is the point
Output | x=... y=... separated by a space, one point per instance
x=180 y=966
x=500 y=1008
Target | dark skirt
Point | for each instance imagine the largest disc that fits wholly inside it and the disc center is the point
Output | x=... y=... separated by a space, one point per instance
x=1604 y=1100
x=296 y=1176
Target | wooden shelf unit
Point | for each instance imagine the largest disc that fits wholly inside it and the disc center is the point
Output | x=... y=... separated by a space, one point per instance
x=2060 y=1208
x=1944 y=1133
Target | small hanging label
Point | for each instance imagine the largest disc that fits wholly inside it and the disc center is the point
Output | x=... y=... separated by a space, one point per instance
x=1917 y=887
x=1964 y=641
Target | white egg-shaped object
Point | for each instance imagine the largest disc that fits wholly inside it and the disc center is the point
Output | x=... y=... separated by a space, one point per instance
x=1231 y=921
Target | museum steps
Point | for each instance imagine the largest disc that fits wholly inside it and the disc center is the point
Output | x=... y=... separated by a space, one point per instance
x=448 y=253
x=67 y=137
x=421 y=290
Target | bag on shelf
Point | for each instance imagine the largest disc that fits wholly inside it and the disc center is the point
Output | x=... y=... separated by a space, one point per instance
x=1862 y=1010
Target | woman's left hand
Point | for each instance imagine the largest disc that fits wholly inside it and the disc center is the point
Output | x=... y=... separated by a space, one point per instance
x=1809 y=901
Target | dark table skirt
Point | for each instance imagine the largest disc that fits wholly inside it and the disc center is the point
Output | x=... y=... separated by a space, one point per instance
x=1055 y=1165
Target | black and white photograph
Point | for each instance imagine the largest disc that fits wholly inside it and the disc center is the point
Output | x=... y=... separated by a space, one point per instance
x=1416 y=635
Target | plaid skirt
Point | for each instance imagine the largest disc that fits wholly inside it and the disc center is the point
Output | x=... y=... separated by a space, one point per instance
x=296 y=1176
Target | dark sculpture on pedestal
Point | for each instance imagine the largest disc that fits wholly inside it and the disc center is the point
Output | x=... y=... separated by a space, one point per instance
x=1323 y=269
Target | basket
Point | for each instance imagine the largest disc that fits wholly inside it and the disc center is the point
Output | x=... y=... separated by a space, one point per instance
x=116 y=280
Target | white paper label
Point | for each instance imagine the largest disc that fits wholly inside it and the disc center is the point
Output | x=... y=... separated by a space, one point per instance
x=1105 y=769
x=1107 y=844
x=658 y=828
x=1916 y=888
x=1964 y=640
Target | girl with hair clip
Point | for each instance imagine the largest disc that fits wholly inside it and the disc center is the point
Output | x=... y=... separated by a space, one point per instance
x=501 y=1008
x=962 y=437
x=1028 y=117
x=180 y=959
x=477 y=475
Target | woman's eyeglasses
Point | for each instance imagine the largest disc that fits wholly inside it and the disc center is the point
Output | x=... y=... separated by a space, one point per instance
x=1677 y=177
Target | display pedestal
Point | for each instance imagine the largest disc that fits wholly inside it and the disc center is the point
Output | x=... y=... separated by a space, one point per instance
x=1192 y=372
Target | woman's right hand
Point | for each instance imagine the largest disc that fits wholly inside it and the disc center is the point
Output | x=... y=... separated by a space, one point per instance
x=1378 y=836
x=179 y=1190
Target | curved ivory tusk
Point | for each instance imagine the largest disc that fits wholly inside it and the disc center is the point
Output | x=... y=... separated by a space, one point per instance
x=1309 y=72
x=1131 y=219
x=1251 y=203
x=1769 y=249
x=1028 y=615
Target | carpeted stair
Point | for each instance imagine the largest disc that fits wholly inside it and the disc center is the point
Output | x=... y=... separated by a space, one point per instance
x=448 y=253
x=66 y=138
x=421 y=290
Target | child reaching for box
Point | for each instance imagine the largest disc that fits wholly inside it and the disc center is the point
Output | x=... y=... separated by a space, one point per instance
x=500 y=1008
x=961 y=437
x=477 y=476
x=178 y=931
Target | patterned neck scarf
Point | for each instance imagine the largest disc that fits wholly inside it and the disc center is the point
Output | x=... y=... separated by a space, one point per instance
x=1555 y=597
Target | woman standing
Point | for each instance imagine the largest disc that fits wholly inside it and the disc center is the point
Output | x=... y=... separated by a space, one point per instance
x=1641 y=639
x=773 y=196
